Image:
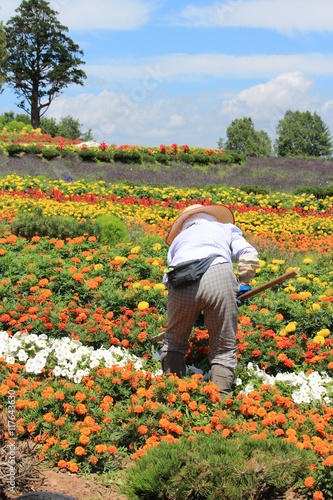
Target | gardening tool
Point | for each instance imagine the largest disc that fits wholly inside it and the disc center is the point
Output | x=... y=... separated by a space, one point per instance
x=249 y=294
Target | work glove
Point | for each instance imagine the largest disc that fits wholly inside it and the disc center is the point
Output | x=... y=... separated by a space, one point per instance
x=242 y=289
x=247 y=266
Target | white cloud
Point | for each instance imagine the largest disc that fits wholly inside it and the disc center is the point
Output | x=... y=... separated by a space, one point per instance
x=198 y=120
x=99 y=14
x=267 y=103
x=149 y=73
x=281 y=15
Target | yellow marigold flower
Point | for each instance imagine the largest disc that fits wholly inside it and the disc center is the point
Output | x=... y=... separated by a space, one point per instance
x=98 y=267
x=324 y=332
x=273 y=267
x=136 y=249
x=283 y=332
x=305 y=295
x=120 y=259
x=146 y=287
x=319 y=340
x=307 y=260
x=159 y=286
x=315 y=306
x=291 y=327
x=143 y=305
x=302 y=279
x=157 y=246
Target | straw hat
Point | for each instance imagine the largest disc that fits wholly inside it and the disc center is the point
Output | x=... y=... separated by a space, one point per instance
x=220 y=212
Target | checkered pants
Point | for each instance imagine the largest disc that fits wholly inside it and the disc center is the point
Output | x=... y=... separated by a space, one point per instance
x=215 y=294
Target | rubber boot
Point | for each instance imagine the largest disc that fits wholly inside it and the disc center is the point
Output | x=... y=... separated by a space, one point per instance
x=173 y=362
x=223 y=377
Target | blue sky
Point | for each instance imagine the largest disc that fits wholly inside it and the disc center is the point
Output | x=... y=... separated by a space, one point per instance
x=163 y=72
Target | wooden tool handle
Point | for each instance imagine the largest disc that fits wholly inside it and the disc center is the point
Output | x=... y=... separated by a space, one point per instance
x=269 y=284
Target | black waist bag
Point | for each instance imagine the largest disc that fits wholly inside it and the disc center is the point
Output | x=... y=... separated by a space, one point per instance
x=189 y=271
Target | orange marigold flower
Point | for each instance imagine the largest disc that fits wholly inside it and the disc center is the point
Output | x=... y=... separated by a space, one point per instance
x=80 y=409
x=83 y=439
x=101 y=448
x=80 y=451
x=31 y=427
x=309 y=482
x=48 y=417
x=12 y=239
x=80 y=396
x=112 y=449
x=318 y=495
x=67 y=408
x=72 y=467
x=108 y=399
x=64 y=444
x=93 y=460
x=185 y=397
x=142 y=429
x=62 y=464
x=193 y=405
x=328 y=461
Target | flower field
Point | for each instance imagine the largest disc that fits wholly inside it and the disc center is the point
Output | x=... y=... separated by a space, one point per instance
x=77 y=317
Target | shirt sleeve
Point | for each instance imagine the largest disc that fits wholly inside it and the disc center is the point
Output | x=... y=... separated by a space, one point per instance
x=240 y=246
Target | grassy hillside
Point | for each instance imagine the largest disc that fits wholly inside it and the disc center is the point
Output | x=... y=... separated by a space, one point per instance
x=276 y=174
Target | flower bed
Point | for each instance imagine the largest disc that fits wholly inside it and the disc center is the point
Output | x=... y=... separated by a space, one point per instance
x=77 y=318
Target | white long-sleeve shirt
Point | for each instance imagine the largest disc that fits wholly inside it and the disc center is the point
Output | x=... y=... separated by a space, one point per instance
x=201 y=238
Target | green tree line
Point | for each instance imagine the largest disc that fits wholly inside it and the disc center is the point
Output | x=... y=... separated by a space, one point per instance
x=297 y=134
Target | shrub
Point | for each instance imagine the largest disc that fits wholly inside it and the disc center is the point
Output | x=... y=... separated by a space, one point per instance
x=317 y=191
x=202 y=159
x=33 y=149
x=126 y=156
x=15 y=149
x=49 y=153
x=104 y=156
x=28 y=225
x=112 y=230
x=186 y=158
x=211 y=467
x=87 y=154
x=162 y=158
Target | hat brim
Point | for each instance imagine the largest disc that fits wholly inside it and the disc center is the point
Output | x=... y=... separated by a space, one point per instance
x=220 y=212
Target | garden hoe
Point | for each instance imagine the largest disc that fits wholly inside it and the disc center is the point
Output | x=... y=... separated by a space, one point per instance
x=243 y=297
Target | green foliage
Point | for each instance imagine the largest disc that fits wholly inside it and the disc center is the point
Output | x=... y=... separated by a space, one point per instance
x=162 y=158
x=211 y=467
x=254 y=189
x=18 y=126
x=112 y=230
x=87 y=154
x=3 y=56
x=303 y=134
x=317 y=191
x=127 y=156
x=49 y=152
x=42 y=60
x=16 y=149
x=29 y=225
x=201 y=158
x=186 y=158
x=67 y=127
x=243 y=138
